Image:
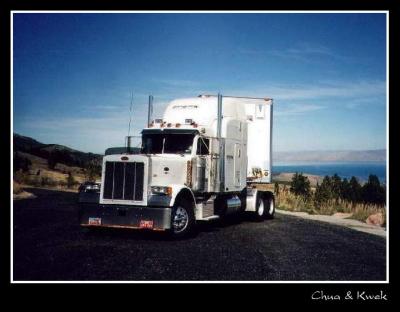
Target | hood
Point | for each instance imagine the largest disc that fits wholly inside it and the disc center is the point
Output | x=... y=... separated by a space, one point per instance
x=168 y=169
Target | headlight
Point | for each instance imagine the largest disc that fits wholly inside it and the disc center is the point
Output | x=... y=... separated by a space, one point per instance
x=92 y=187
x=161 y=190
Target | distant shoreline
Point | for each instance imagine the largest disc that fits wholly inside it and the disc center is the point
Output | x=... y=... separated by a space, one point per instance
x=287 y=177
x=377 y=155
x=282 y=171
x=338 y=162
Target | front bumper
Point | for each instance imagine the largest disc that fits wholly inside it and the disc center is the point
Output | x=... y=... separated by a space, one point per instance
x=119 y=216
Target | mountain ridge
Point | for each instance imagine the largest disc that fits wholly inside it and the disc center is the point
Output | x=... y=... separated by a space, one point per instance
x=331 y=156
x=30 y=145
x=66 y=155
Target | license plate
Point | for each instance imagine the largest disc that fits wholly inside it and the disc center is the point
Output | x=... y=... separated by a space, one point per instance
x=94 y=221
x=146 y=224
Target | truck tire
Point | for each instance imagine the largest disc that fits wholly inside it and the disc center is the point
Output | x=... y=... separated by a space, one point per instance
x=269 y=205
x=260 y=209
x=182 y=219
x=243 y=198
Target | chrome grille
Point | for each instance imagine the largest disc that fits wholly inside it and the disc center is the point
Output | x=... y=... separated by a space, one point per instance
x=123 y=180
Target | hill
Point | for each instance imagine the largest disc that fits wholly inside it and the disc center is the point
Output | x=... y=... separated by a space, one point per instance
x=24 y=144
x=331 y=156
x=65 y=155
x=52 y=165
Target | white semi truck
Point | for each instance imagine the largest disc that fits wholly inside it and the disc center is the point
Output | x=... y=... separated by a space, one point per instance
x=203 y=160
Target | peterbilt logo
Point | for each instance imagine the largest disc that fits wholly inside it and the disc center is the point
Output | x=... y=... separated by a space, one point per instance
x=124 y=158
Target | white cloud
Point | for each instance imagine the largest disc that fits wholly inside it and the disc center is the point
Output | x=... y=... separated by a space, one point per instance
x=107 y=125
x=177 y=82
x=307 y=52
x=337 y=91
x=323 y=90
x=297 y=109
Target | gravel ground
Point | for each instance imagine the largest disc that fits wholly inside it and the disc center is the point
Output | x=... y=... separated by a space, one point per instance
x=344 y=221
x=50 y=245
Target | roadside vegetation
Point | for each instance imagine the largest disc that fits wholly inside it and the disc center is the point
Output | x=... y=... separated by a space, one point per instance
x=333 y=195
x=56 y=171
x=52 y=165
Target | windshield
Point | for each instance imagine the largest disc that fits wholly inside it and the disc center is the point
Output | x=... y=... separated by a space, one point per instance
x=167 y=143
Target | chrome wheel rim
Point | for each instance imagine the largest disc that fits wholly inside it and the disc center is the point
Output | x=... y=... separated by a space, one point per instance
x=261 y=208
x=180 y=220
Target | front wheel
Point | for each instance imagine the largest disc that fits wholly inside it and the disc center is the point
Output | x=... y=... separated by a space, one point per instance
x=182 y=219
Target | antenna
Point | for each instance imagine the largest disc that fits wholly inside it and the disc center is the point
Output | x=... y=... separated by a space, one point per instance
x=130 y=114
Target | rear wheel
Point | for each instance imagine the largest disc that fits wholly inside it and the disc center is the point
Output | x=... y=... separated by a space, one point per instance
x=269 y=207
x=182 y=219
x=243 y=197
x=260 y=209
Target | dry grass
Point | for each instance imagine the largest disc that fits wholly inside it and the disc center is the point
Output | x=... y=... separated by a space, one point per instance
x=40 y=175
x=264 y=187
x=46 y=178
x=58 y=175
x=286 y=177
x=17 y=189
x=20 y=193
x=288 y=201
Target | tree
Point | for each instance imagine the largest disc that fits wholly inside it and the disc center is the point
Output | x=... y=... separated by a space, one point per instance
x=323 y=192
x=336 y=186
x=276 y=189
x=372 y=191
x=355 y=190
x=70 y=180
x=345 y=190
x=59 y=156
x=52 y=161
x=93 y=170
x=21 y=163
x=300 y=185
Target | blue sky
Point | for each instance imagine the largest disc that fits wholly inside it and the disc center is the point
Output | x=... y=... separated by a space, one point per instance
x=73 y=73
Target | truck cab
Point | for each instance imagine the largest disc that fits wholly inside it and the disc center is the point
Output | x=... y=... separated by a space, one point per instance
x=192 y=166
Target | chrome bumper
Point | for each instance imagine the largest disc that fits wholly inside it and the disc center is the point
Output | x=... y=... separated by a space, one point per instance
x=119 y=216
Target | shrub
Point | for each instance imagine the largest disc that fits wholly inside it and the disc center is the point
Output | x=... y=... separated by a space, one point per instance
x=355 y=190
x=372 y=191
x=360 y=211
x=92 y=171
x=21 y=163
x=323 y=193
x=19 y=177
x=59 y=156
x=47 y=181
x=35 y=181
x=336 y=186
x=300 y=185
x=17 y=189
x=70 y=180
x=52 y=161
x=276 y=189
x=345 y=189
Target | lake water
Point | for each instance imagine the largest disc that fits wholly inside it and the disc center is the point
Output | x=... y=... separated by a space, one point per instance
x=360 y=170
